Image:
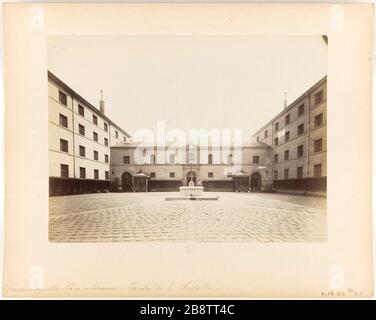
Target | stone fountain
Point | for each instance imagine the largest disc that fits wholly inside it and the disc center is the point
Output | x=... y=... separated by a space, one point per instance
x=191 y=190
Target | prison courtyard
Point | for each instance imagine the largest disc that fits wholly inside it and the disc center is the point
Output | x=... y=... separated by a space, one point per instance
x=234 y=217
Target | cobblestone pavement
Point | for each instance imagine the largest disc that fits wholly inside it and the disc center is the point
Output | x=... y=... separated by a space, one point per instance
x=235 y=217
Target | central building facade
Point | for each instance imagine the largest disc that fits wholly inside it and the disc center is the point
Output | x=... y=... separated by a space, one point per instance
x=155 y=168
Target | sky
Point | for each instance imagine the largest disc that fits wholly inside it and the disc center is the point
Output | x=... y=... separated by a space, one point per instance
x=190 y=82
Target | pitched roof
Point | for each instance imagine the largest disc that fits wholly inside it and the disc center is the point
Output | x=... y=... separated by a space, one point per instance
x=139 y=144
x=55 y=79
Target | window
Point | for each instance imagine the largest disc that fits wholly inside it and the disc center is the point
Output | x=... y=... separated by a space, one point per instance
x=301 y=129
x=256 y=159
x=286 y=174
x=62 y=98
x=124 y=138
x=300 y=110
x=172 y=174
x=299 y=151
x=257 y=139
x=63 y=145
x=95 y=119
x=317 y=145
x=95 y=136
x=287 y=119
x=276 y=141
x=81 y=110
x=152 y=159
x=210 y=174
x=276 y=126
x=126 y=160
x=82 y=151
x=229 y=159
x=265 y=133
x=318 y=97
x=106 y=158
x=276 y=175
x=106 y=142
x=287 y=135
x=317 y=170
x=64 y=170
x=82 y=173
x=63 y=120
x=105 y=126
x=210 y=159
x=96 y=174
x=95 y=155
x=318 y=120
x=172 y=158
x=299 y=172
x=152 y=174
x=116 y=134
x=287 y=154
x=81 y=129
x=106 y=175
x=276 y=158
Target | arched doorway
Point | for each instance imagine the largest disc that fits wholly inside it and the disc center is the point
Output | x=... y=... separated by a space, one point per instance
x=191 y=176
x=126 y=182
x=255 y=181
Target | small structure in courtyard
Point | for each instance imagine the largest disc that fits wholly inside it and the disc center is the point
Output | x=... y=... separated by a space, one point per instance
x=191 y=192
x=141 y=182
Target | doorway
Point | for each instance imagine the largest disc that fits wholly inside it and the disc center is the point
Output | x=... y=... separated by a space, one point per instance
x=126 y=182
x=255 y=181
x=191 y=176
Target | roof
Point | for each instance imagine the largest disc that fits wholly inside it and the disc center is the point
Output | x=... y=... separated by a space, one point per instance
x=141 y=174
x=139 y=144
x=292 y=104
x=84 y=101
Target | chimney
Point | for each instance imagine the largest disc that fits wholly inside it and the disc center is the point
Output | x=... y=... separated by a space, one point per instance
x=101 y=103
x=285 y=101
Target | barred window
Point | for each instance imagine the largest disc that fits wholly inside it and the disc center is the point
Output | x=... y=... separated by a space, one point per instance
x=82 y=151
x=318 y=145
x=299 y=172
x=62 y=98
x=82 y=173
x=318 y=97
x=64 y=170
x=286 y=173
x=318 y=120
x=63 y=120
x=63 y=145
x=301 y=110
x=81 y=110
x=301 y=129
x=299 y=151
x=317 y=170
x=81 y=129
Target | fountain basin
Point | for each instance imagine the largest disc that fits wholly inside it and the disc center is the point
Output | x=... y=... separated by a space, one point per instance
x=191 y=191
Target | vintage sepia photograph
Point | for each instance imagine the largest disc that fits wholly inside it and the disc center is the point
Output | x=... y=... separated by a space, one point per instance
x=187 y=138
x=180 y=150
